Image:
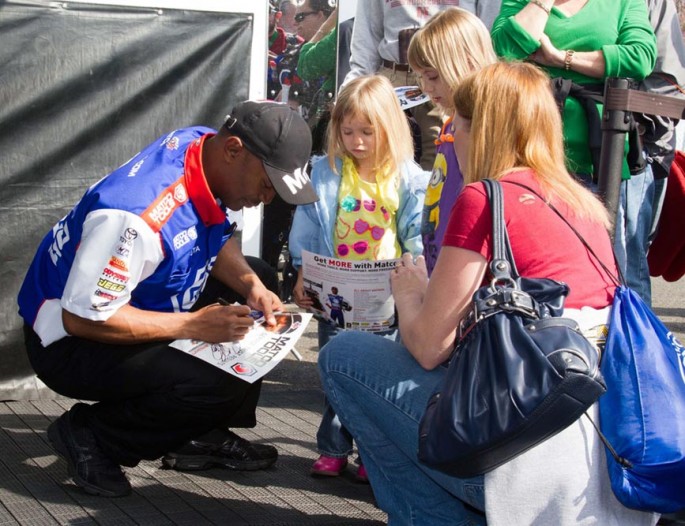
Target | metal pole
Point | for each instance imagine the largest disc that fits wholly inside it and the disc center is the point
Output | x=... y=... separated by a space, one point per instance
x=615 y=125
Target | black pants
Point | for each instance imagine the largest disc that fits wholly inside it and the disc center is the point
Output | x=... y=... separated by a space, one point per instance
x=150 y=398
x=278 y=216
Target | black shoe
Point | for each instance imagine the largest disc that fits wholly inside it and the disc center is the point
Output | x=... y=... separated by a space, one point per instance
x=86 y=463
x=233 y=453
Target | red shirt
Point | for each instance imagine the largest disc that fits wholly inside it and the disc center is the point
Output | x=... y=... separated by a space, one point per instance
x=543 y=244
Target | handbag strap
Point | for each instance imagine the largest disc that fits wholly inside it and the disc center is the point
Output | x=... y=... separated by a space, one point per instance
x=502 y=266
x=619 y=459
x=619 y=280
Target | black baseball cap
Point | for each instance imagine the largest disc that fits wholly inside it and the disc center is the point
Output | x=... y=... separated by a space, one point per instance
x=280 y=137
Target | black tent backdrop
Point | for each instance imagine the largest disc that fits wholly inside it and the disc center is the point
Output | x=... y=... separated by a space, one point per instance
x=84 y=87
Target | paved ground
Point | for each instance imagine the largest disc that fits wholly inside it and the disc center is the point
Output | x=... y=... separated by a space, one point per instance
x=34 y=488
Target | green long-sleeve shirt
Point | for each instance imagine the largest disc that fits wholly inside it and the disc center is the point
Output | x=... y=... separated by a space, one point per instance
x=318 y=60
x=619 y=28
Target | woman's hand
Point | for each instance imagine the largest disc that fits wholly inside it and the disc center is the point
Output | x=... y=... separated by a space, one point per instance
x=548 y=55
x=429 y=311
x=409 y=281
x=588 y=63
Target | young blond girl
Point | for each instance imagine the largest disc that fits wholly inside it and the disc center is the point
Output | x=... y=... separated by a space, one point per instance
x=371 y=195
x=451 y=45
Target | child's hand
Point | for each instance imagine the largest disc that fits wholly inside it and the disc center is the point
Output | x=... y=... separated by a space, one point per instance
x=302 y=300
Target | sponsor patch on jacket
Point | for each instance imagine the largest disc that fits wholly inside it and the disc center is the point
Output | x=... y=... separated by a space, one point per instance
x=110 y=285
x=183 y=238
x=105 y=295
x=172 y=144
x=129 y=235
x=159 y=212
x=134 y=169
x=123 y=251
x=113 y=275
x=118 y=263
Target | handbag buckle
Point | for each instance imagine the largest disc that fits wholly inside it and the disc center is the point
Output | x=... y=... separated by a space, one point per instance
x=522 y=302
x=508 y=298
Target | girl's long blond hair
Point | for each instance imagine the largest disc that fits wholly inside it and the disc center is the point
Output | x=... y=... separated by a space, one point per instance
x=454 y=42
x=515 y=124
x=372 y=97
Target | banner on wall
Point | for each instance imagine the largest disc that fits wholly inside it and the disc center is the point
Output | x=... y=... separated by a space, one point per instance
x=85 y=87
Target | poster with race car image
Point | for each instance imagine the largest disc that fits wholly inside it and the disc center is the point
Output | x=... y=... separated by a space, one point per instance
x=258 y=353
x=352 y=295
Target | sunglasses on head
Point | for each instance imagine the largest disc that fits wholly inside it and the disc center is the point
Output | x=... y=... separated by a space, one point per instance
x=299 y=17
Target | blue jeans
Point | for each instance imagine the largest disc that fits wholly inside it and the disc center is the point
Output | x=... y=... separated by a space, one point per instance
x=380 y=393
x=332 y=439
x=659 y=196
x=633 y=227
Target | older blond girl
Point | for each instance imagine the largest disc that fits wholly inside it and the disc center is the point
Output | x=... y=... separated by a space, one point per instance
x=452 y=44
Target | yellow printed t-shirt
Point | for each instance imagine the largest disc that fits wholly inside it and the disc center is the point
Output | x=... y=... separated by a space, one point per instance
x=365 y=228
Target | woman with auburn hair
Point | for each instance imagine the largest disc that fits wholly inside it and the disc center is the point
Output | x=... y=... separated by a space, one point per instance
x=506 y=127
x=522 y=137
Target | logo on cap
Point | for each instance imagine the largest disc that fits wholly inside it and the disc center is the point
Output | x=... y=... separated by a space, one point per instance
x=296 y=181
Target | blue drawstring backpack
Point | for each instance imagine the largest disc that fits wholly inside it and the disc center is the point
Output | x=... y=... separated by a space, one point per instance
x=642 y=414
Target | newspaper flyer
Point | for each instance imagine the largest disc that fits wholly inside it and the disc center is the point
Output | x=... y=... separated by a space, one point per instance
x=410 y=96
x=354 y=295
x=260 y=351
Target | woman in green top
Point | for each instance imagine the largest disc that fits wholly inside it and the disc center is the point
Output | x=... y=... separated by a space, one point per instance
x=317 y=63
x=318 y=57
x=585 y=41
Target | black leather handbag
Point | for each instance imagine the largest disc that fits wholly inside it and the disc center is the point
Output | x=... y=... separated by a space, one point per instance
x=520 y=372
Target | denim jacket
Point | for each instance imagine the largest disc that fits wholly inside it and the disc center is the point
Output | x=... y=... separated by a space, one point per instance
x=313 y=224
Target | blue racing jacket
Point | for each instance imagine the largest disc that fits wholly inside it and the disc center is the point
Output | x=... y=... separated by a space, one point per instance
x=145 y=235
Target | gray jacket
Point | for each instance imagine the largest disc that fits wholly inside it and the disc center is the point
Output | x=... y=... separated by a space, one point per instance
x=669 y=71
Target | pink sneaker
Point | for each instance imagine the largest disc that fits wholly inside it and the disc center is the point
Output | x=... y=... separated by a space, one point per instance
x=328 y=466
x=361 y=475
